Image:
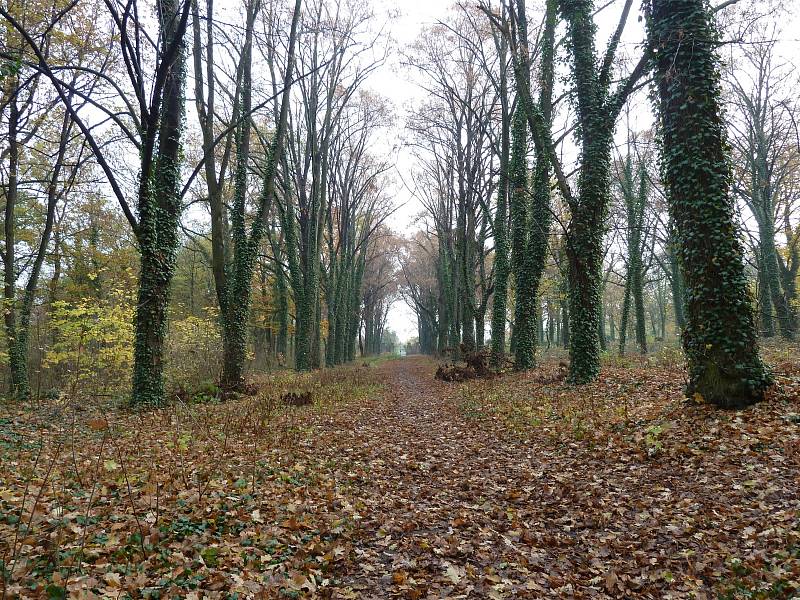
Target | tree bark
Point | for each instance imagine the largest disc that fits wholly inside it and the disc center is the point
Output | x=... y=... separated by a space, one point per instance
x=720 y=339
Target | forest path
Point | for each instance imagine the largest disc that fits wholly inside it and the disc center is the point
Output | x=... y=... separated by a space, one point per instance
x=440 y=493
x=452 y=503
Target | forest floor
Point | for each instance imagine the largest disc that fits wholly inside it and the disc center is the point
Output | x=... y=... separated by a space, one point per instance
x=393 y=485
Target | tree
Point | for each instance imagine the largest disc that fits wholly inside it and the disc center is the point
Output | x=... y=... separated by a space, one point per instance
x=44 y=163
x=335 y=74
x=634 y=188
x=455 y=142
x=380 y=290
x=598 y=106
x=500 y=226
x=160 y=207
x=152 y=121
x=419 y=288
x=235 y=245
x=763 y=138
x=357 y=208
x=530 y=213
x=719 y=339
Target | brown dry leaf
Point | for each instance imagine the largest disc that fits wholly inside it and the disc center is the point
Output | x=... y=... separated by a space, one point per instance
x=517 y=487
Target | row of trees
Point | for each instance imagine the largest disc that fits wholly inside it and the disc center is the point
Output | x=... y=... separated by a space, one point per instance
x=267 y=177
x=537 y=213
x=241 y=148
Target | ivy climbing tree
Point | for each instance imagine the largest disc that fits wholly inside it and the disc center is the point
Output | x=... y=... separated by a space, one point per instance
x=634 y=186
x=500 y=228
x=598 y=106
x=247 y=241
x=160 y=207
x=719 y=338
x=152 y=121
x=533 y=219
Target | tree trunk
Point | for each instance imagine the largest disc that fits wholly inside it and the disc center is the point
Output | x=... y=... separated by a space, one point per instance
x=676 y=280
x=501 y=266
x=159 y=213
x=585 y=255
x=771 y=270
x=720 y=339
x=16 y=339
x=623 y=321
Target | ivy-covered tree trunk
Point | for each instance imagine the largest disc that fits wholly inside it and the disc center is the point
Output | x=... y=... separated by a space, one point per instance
x=584 y=247
x=601 y=321
x=524 y=327
x=159 y=215
x=623 y=322
x=676 y=280
x=282 y=312
x=247 y=243
x=541 y=215
x=305 y=311
x=585 y=260
x=467 y=277
x=720 y=339
x=354 y=311
x=16 y=338
x=501 y=266
x=635 y=197
x=770 y=269
x=764 y=298
x=236 y=308
x=530 y=210
x=790 y=265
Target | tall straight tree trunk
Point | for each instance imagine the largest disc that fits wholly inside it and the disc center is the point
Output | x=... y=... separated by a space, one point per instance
x=16 y=339
x=282 y=309
x=719 y=340
x=236 y=307
x=635 y=200
x=772 y=276
x=585 y=259
x=246 y=244
x=676 y=281
x=501 y=266
x=765 y=298
x=601 y=321
x=523 y=343
x=623 y=322
x=538 y=234
x=159 y=215
x=597 y=112
x=530 y=215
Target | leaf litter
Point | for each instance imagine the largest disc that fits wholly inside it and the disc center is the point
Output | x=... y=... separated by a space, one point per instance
x=394 y=485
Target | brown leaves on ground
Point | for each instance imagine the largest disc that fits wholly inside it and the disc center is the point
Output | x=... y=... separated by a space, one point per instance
x=393 y=485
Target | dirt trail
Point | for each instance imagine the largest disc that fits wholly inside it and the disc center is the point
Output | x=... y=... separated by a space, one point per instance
x=441 y=495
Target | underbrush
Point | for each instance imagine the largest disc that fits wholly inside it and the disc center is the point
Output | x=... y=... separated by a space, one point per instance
x=100 y=500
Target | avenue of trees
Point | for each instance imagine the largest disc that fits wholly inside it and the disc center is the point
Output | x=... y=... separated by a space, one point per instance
x=594 y=183
x=191 y=191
